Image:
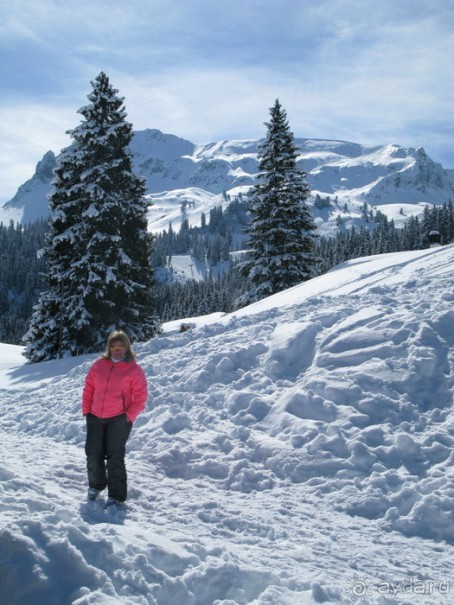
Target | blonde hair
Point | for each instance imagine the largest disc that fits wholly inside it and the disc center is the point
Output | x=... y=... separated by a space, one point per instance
x=119 y=335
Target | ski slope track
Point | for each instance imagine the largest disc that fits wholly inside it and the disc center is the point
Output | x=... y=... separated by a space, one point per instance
x=296 y=452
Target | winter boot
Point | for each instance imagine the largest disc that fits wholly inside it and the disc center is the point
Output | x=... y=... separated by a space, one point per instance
x=112 y=502
x=93 y=493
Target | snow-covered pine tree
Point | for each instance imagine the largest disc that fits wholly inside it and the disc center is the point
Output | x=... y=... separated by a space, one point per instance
x=99 y=250
x=281 y=232
x=48 y=335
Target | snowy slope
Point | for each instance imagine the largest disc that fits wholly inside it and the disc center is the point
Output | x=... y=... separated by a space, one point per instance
x=296 y=452
x=400 y=181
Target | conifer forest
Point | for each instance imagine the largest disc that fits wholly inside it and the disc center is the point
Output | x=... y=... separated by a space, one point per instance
x=23 y=267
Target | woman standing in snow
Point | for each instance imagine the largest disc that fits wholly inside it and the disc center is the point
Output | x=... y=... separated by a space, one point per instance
x=115 y=393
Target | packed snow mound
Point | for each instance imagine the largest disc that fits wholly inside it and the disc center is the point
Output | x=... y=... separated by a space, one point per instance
x=343 y=383
x=297 y=451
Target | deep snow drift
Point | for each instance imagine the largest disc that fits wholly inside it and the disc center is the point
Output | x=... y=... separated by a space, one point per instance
x=298 y=451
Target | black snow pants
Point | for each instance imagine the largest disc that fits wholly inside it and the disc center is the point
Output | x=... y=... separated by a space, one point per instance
x=105 y=448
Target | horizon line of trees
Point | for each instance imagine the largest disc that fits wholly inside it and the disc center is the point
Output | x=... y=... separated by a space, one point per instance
x=23 y=266
x=382 y=236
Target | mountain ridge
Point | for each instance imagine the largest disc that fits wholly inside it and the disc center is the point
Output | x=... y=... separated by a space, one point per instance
x=398 y=180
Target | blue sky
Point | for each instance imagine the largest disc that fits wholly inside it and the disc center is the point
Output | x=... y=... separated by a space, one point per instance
x=367 y=71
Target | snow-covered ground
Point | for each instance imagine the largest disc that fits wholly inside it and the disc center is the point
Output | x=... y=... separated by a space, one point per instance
x=296 y=452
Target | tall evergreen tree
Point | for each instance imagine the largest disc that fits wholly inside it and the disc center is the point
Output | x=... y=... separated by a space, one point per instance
x=281 y=232
x=99 y=251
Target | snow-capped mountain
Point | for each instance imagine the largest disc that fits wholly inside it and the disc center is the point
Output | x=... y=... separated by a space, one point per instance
x=401 y=181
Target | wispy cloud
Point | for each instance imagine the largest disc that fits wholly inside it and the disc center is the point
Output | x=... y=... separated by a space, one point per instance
x=370 y=72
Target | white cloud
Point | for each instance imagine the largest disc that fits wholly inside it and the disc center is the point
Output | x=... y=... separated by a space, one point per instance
x=371 y=72
x=27 y=132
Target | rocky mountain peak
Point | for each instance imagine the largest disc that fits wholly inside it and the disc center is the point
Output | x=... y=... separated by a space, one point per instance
x=344 y=175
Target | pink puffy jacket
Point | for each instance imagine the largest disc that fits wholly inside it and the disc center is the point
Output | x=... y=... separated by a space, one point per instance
x=114 y=388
